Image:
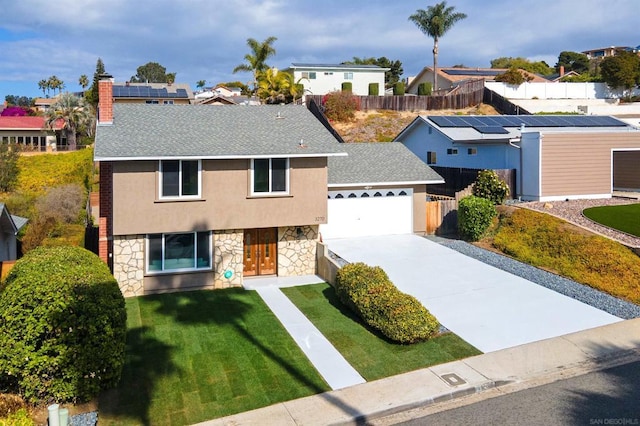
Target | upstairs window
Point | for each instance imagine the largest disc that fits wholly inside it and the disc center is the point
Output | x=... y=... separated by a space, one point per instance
x=452 y=151
x=270 y=176
x=311 y=75
x=180 y=178
x=431 y=157
x=348 y=76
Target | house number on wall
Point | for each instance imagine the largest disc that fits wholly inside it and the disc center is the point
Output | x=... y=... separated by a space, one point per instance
x=319 y=218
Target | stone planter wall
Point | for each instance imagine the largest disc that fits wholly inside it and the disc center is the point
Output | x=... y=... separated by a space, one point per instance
x=297 y=253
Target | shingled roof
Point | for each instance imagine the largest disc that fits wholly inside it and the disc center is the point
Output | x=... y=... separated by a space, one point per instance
x=141 y=131
x=376 y=163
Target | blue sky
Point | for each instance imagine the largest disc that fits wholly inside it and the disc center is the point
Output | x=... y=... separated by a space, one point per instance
x=206 y=39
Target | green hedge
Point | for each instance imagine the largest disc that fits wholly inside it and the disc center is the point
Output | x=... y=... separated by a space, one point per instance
x=368 y=292
x=62 y=326
x=424 y=89
x=374 y=89
x=398 y=88
x=475 y=215
x=347 y=86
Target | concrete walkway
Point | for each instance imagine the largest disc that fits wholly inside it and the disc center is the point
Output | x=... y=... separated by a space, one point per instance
x=489 y=308
x=499 y=372
x=331 y=365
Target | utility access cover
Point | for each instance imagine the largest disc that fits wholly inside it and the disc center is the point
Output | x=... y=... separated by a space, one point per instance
x=452 y=379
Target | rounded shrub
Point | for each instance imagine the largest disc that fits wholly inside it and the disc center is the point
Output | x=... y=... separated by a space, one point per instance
x=489 y=185
x=475 y=215
x=398 y=88
x=62 y=326
x=374 y=89
x=369 y=293
x=424 y=89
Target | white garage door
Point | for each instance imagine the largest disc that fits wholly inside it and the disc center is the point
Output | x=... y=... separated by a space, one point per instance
x=371 y=212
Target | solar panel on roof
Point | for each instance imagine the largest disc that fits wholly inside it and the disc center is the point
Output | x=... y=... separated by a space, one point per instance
x=473 y=121
x=491 y=129
x=441 y=121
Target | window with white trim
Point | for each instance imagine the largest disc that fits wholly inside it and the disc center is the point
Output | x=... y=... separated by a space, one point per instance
x=180 y=178
x=189 y=251
x=311 y=75
x=269 y=176
x=348 y=76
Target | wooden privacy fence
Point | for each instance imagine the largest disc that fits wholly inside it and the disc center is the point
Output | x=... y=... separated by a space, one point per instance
x=442 y=217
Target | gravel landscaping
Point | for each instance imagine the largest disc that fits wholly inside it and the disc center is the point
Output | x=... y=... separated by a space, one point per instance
x=597 y=299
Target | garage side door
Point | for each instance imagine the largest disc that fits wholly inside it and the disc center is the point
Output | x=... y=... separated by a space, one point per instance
x=372 y=212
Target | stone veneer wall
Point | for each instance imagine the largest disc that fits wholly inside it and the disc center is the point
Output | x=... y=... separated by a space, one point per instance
x=297 y=254
x=128 y=264
x=228 y=256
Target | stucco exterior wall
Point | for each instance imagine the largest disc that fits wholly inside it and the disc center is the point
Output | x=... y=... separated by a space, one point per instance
x=331 y=79
x=226 y=201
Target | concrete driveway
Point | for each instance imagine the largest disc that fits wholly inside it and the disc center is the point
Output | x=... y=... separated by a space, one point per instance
x=487 y=307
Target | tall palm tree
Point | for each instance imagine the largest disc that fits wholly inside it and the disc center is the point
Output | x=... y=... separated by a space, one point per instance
x=200 y=84
x=44 y=86
x=435 y=21
x=83 y=81
x=74 y=114
x=256 y=60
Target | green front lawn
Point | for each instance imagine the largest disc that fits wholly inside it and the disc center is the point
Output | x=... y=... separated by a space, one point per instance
x=368 y=352
x=200 y=355
x=625 y=218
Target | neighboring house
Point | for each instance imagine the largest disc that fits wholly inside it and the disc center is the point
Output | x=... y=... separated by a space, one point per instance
x=450 y=77
x=605 y=52
x=320 y=79
x=201 y=197
x=153 y=93
x=559 y=76
x=216 y=100
x=31 y=133
x=378 y=189
x=10 y=225
x=555 y=157
x=227 y=91
x=43 y=104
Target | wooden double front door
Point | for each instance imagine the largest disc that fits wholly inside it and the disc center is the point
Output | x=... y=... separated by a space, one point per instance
x=260 y=251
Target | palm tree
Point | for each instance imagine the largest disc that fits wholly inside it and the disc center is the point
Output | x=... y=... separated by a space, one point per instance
x=435 y=22
x=83 y=81
x=256 y=60
x=44 y=86
x=200 y=84
x=73 y=112
x=273 y=86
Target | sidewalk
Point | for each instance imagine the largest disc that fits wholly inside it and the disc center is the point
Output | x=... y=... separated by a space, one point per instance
x=523 y=366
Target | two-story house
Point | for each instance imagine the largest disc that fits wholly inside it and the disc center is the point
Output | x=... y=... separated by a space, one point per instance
x=198 y=197
x=195 y=197
x=320 y=79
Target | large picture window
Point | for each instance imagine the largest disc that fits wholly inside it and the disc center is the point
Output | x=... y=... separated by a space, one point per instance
x=180 y=179
x=270 y=176
x=178 y=252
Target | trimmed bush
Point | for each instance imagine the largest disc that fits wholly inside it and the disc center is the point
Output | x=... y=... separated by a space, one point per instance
x=340 y=106
x=369 y=293
x=475 y=215
x=62 y=326
x=374 y=89
x=347 y=86
x=489 y=185
x=424 y=89
x=398 y=88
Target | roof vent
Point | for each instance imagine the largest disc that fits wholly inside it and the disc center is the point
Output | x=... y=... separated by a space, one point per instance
x=279 y=116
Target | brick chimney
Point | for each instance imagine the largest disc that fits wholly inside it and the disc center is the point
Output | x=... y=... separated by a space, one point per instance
x=105 y=100
x=561 y=70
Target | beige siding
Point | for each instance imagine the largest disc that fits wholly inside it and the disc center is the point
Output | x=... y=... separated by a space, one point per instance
x=580 y=164
x=226 y=202
x=626 y=169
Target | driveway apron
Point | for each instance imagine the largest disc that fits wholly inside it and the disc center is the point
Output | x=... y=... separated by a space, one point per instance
x=489 y=308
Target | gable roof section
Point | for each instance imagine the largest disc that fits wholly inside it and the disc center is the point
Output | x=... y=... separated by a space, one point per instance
x=379 y=163
x=25 y=123
x=8 y=221
x=141 y=131
x=503 y=128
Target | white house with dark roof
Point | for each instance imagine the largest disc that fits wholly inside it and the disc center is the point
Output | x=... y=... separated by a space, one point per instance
x=320 y=79
x=193 y=196
x=555 y=157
